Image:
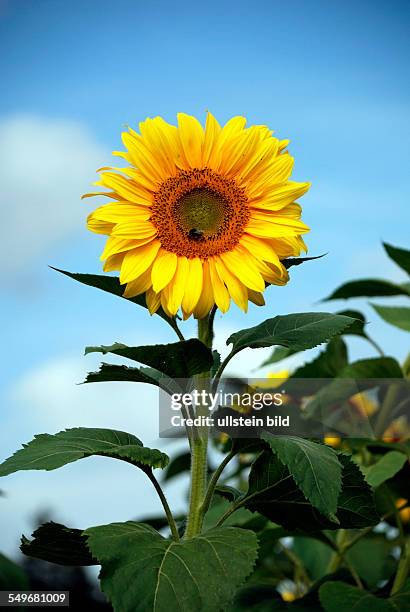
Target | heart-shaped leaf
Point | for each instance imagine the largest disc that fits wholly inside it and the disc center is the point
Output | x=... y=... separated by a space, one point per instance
x=143 y=571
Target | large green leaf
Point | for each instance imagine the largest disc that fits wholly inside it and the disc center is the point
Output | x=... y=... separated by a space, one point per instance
x=48 y=452
x=57 y=543
x=274 y=493
x=385 y=468
x=367 y=288
x=400 y=256
x=110 y=372
x=143 y=571
x=177 y=360
x=296 y=331
x=314 y=467
x=111 y=284
x=399 y=316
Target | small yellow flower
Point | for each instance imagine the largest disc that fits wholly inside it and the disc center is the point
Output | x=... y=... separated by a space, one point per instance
x=405 y=512
x=332 y=440
x=201 y=215
x=364 y=405
x=288 y=596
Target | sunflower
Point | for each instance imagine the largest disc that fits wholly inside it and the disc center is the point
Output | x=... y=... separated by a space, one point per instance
x=201 y=215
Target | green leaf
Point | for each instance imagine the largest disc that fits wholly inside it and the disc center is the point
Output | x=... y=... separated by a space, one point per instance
x=296 y=261
x=400 y=256
x=385 y=468
x=179 y=464
x=399 y=316
x=366 y=288
x=357 y=328
x=109 y=372
x=274 y=493
x=296 y=331
x=143 y=571
x=49 y=452
x=314 y=467
x=57 y=543
x=338 y=596
x=327 y=364
x=12 y=576
x=177 y=360
x=111 y=284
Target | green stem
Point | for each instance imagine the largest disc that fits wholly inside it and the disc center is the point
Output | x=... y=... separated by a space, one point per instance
x=199 y=446
x=214 y=481
x=167 y=509
x=403 y=569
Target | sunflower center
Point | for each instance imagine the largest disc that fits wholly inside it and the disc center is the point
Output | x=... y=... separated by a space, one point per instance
x=199 y=213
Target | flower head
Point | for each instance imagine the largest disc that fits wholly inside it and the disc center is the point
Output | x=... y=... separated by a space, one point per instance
x=200 y=216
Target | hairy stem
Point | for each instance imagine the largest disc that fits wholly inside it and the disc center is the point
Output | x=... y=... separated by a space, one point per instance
x=199 y=446
x=214 y=481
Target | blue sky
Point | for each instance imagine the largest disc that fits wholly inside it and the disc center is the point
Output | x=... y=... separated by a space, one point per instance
x=332 y=77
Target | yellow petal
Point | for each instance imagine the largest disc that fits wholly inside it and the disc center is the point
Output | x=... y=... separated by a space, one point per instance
x=256 y=298
x=138 y=260
x=281 y=195
x=233 y=127
x=142 y=158
x=206 y=299
x=99 y=227
x=139 y=285
x=156 y=140
x=134 y=230
x=193 y=287
x=177 y=286
x=113 y=263
x=212 y=131
x=153 y=300
x=126 y=188
x=265 y=153
x=191 y=135
x=237 y=290
x=116 y=212
x=271 y=274
x=117 y=245
x=163 y=269
x=263 y=249
x=220 y=292
x=242 y=264
x=275 y=228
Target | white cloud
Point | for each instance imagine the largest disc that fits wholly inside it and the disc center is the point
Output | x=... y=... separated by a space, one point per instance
x=45 y=166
